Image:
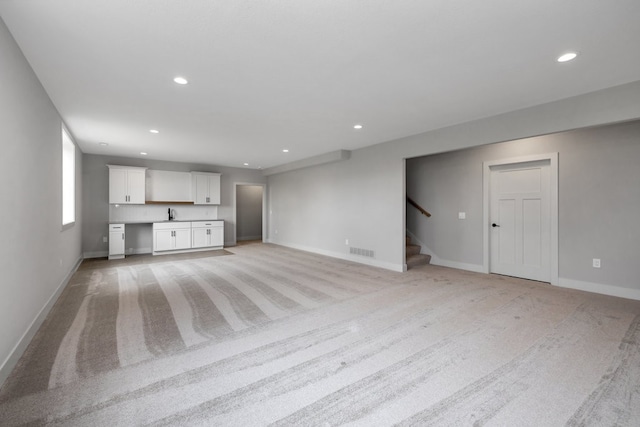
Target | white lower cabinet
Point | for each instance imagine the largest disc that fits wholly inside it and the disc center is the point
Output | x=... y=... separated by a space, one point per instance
x=185 y=236
x=116 y=241
x=205 y=234
x=171 y=236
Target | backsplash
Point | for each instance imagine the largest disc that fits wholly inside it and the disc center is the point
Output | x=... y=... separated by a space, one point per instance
x=156 y=213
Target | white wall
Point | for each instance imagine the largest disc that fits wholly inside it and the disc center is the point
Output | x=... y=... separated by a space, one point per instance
x=599 y=203
x=363 y=198
x=37 y=256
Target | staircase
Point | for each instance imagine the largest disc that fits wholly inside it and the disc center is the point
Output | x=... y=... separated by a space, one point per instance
x=413 y=256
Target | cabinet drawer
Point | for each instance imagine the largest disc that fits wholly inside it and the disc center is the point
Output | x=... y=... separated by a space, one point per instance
x=171 y=225
x=207 y=224
x=116 y=227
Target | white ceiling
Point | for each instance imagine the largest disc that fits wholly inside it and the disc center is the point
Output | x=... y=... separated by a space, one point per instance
x=298 y=74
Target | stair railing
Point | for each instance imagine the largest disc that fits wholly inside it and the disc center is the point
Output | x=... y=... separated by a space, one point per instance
x=422 y=210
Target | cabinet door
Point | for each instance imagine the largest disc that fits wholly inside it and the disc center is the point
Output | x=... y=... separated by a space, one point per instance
x=117 y=186
x=199 y=237
x=162 y=240
x=182 y=238
x=214 y=190
x=136 y=186
x=116 y=243
x=201 y=189
x=217 y=236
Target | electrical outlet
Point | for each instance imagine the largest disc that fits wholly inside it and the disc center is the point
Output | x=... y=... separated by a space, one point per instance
x=596 y=263
x=104 y=239
x=462 y=215
x=346 y=242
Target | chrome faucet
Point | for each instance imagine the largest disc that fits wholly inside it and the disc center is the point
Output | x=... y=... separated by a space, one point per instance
x=172 y=214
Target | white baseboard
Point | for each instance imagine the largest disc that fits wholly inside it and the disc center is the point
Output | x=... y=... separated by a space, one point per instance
x=599 y=288
x=357 y=259
x=12 y=359
x=95 y=254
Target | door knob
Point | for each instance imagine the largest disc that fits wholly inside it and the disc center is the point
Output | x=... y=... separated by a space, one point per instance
x=494 y=225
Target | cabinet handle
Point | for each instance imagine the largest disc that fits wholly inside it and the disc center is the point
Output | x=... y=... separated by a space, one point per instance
x=122 y=236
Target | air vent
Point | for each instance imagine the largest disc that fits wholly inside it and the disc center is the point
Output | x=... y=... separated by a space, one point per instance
x=362 y=252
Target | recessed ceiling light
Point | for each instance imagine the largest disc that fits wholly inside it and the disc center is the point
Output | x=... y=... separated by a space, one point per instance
x=246 y=164
x=102 y=144
x=357 y=126
x=154 y=131
x=567 y=57
x=143 y=153
x=180 y=80
x=285 y=151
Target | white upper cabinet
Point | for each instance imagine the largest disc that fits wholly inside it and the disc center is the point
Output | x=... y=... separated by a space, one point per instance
x=126 y=185
x=205 y=188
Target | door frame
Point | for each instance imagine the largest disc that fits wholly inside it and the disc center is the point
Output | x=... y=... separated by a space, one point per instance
x=553 y=205
x=264 y=209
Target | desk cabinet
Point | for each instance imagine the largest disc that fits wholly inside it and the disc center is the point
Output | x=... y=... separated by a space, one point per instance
x=116 y=241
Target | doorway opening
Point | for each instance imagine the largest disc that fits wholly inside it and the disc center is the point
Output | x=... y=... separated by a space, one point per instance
x=249 y=212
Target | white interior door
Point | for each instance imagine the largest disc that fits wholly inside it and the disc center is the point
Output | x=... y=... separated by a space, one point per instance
x=520 y=220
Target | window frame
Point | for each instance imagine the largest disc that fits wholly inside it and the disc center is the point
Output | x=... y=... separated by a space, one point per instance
x=68 y=180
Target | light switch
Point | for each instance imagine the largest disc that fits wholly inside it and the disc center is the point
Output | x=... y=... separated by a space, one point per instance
x=462 y=215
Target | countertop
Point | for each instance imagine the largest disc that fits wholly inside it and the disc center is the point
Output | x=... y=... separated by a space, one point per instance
x=158 y=222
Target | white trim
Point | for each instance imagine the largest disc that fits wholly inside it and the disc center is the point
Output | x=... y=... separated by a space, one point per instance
x=95 y=254
x=264 y=211
x=553 y=203
x=600 y=288
x=347 y=257
x=14 y=355
x=186 y=251
x=404 y=216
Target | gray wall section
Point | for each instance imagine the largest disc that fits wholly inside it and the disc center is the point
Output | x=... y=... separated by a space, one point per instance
x=599 y=201
x=249 y=212
x=37 y=255
x=362 y=198
x=96 y=197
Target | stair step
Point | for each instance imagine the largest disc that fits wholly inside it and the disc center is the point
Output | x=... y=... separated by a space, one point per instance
x=412 y=250
x=417 y=260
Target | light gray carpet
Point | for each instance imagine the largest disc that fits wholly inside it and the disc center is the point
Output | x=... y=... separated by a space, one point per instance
x=276 y=336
